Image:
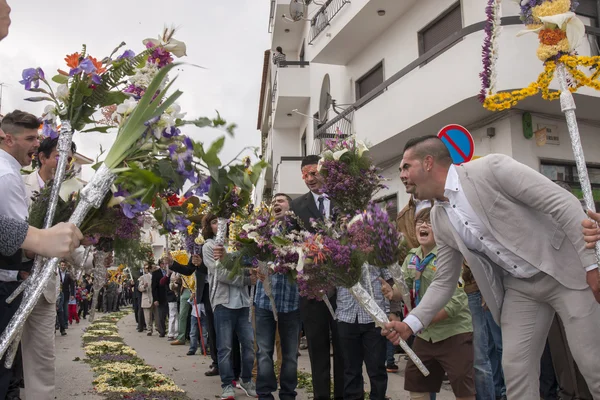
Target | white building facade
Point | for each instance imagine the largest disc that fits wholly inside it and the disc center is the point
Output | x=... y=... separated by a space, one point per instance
x=399 y=69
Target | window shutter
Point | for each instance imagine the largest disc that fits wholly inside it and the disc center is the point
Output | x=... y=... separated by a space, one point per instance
x=588 y=8
x=441 y=29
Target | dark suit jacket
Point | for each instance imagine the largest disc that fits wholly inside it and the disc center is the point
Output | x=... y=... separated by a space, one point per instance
x=305 y=208
x=68 y=286
x=159 y=292
x=201 y=274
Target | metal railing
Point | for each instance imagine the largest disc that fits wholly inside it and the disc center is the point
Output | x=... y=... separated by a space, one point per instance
x=274 y=92
x=322 y=18
x=284 y=64
x=342 y=128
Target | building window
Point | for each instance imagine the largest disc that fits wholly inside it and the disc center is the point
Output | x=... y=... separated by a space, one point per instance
x=441 y=28
x=567 y=172
x=587 y=10
x=369 y=81
x=390 y=203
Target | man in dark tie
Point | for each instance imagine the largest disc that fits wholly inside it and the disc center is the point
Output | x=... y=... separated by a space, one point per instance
x=159 y=295
x=319 y=324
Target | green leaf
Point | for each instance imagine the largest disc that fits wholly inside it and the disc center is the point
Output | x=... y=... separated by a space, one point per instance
x=200 y=122
x=279 y=241
x=211 y=158
x=113 y=98
x=60 y=79
x=39 y=90
x=103 y=129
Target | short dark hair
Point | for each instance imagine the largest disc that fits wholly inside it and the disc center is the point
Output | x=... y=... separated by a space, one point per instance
x=423 y=215
x=310 y=160
x=289 y=199
x=564 y=185
x=207 y=232
x=16 y=121
x=48 y=145
x=279 y=49
x=429 y=145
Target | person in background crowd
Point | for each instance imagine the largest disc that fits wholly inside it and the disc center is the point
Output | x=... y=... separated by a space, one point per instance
x=173 y=301
x=73 y=309
x=287 y=302
x=231 y=305
x=82 y=298
x=67 y=287
x=316 y=318
x=186 y=288
x=147 y=304
x=447 y=344
x=159 y=295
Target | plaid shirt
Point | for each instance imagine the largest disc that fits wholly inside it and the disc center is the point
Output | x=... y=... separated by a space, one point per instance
x=284 y=291
x=348 y=309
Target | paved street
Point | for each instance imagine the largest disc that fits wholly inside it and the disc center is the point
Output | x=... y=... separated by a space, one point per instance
x=74 y=378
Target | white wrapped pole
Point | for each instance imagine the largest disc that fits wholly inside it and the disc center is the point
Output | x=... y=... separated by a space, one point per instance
x=567 y=105
x=99 y=280
x=398 y=277
x=91 y=196
x=263 y=267
x=380 y=319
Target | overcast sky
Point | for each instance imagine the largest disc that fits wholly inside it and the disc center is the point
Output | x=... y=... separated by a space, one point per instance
x=228 y=37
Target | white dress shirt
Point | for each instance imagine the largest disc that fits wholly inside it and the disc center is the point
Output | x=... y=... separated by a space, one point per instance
x=326 y=203
x=14 y=198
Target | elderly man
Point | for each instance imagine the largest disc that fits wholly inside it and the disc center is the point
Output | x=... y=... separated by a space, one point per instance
x=519 y=232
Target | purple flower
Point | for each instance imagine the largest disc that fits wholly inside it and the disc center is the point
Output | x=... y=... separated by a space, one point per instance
x=137 y=92
x=170 y=132
x=96 y=79
x=49 y=131
x=121 y=192
x=160 y=57
x=86 y=66
x=201 y=188
x=131 y=209
x=126 y=54
x=32 y=76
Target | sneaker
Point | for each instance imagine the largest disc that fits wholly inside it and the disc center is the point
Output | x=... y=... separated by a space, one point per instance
x=228 y=393
x=391 y=368
x=248 y=387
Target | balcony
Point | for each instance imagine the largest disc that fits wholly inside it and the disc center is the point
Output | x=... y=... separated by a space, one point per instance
x=341 y=29
x=289 y=34
x=290 y=91
x=421 y=97
x=288 y=178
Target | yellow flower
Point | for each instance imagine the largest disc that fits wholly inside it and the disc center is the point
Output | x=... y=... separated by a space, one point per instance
x=548 y=8
x=191 y=227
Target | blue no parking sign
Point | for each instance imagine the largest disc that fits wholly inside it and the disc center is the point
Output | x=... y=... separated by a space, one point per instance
x=459 y=141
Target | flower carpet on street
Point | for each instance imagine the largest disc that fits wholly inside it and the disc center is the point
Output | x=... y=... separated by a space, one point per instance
x=119 y=372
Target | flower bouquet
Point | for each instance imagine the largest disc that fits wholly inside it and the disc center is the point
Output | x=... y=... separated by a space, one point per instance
x=350 y=177
x=230 y=187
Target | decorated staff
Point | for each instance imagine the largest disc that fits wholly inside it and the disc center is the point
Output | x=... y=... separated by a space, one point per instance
x=560 y=32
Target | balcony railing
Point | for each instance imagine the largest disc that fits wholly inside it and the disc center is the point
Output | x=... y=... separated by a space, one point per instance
x=338 y=128
x=322 y=18
x=284 y=64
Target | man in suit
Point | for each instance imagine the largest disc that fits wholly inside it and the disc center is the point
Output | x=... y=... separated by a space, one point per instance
x=67 y=289
x=159 y=295
x=317 y=320
x=521 y=236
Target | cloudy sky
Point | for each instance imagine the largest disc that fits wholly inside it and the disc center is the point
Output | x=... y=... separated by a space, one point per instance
x=227 y=37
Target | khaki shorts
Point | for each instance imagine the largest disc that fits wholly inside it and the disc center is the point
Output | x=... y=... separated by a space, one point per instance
x=454 y=356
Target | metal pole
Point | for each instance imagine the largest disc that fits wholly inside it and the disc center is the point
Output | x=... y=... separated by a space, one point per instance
x=567 y=105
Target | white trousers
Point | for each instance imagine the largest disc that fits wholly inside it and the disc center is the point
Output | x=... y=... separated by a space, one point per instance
x=37 y=345
x=173 y=320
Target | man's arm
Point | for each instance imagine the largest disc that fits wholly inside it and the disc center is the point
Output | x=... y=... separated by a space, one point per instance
x=186 y=270
x=155 y=283
x=535 y=190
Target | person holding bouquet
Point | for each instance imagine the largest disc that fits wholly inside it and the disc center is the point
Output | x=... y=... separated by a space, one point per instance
x=320 y=327
x=447 y=344
x=230 y=300
x=287 y=325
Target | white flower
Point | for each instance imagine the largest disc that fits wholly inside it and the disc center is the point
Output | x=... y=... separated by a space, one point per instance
x=354 y=220
x=254 y=236
x=568 y=22
x=69 y=187
x=176 y=47
x=62 y=92
x=300 y=266
x=361 y=147
x=126 y=108
x=175 y=111
x=328 y=154
x=338 y=154
x=49 y=114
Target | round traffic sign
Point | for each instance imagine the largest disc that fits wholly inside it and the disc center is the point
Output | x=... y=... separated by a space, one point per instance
x=459 y=141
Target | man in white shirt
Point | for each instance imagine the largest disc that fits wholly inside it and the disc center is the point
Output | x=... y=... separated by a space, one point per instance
x=521 y=236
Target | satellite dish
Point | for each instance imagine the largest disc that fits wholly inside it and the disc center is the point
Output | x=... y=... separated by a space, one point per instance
x=324 y=99
x=298 y=10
